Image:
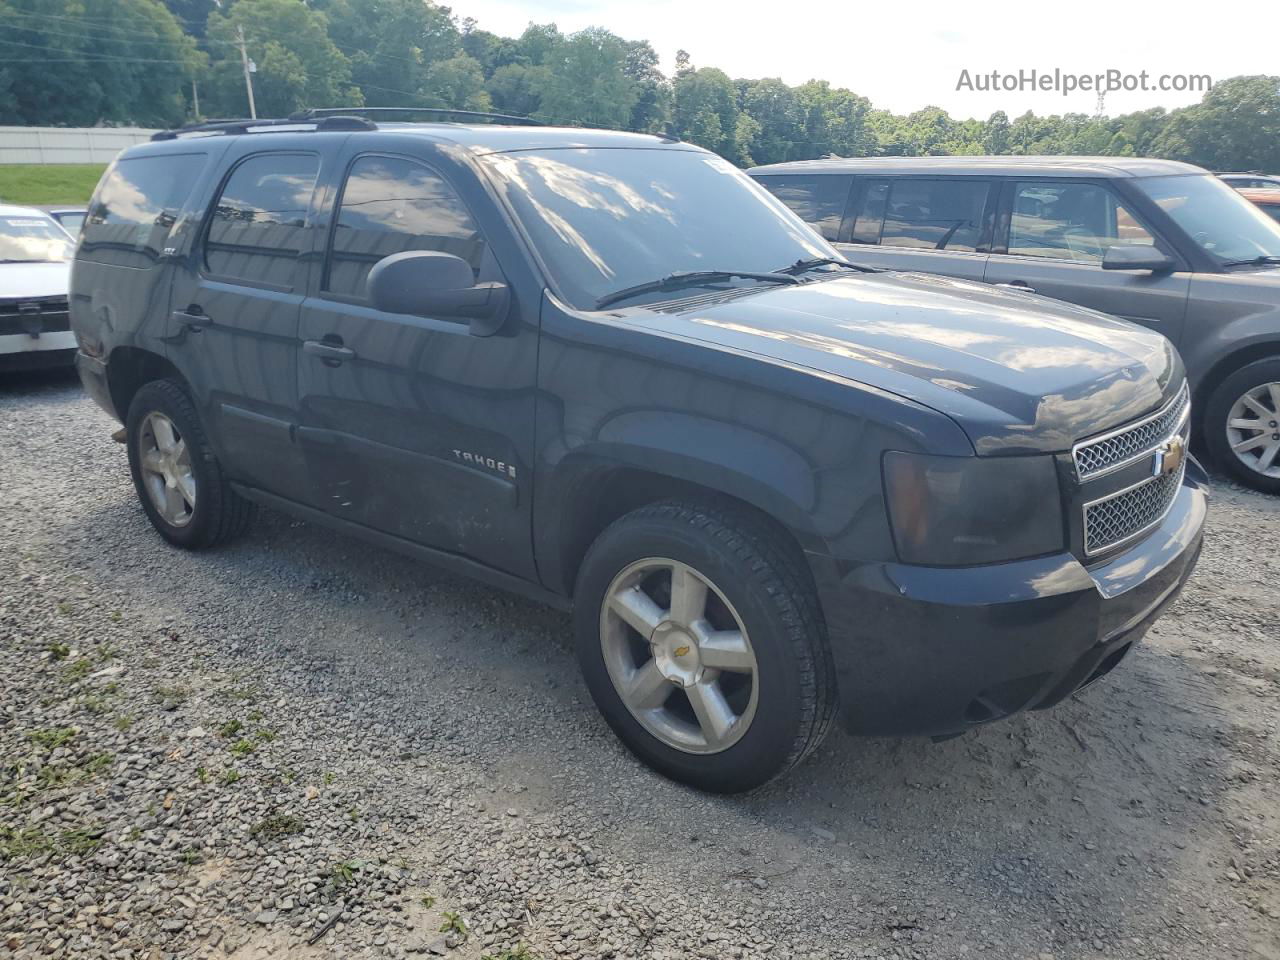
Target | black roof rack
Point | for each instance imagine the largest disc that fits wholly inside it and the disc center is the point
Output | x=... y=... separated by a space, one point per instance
x=234 y=127
x=312 y=114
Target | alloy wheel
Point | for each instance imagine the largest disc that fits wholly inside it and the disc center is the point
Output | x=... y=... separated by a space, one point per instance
x=679 y=656
x=166 y=469
x=1253 y=429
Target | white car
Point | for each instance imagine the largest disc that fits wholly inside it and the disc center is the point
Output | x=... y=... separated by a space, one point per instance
x=35 y=267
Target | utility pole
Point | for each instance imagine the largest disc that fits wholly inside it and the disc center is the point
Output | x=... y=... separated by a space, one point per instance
x=195 y=100
x=247 y=64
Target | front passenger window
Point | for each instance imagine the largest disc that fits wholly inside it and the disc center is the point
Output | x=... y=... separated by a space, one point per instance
x=392 y=205
x=1070 y=221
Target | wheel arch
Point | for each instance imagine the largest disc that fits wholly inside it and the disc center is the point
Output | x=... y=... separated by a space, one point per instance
x=592 y=492
x=129 y=368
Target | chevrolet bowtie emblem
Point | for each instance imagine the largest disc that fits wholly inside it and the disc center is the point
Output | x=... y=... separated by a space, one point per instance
x=681 y=651
x=1169 y=458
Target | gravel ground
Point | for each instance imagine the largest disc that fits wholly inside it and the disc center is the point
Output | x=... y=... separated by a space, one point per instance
x=300 y=746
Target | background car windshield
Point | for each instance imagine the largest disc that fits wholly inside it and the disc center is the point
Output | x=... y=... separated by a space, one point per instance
x=1218 y=218
x=603 y=220
x=32 y=240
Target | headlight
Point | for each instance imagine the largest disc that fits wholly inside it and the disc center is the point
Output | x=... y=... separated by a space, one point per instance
x=960 y=511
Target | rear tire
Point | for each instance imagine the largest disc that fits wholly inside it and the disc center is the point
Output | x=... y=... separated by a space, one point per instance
x=175 y=473
x=726 y=691
x=1242 y=425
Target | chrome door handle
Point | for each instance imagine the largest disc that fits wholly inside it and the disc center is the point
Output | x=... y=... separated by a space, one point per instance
x=1018 y=285
x=331 y=353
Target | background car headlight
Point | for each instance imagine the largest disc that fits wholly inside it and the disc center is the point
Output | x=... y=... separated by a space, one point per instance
x=960 y=511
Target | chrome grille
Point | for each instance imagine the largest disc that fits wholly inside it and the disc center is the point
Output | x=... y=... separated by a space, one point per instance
x=1113 y=450
x=1124 y=515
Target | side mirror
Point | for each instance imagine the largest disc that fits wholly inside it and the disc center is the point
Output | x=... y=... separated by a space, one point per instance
x=428 y=283
x=1137 y=256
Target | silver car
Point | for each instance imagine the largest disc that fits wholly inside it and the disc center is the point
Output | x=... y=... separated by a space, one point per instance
x=1164 y=244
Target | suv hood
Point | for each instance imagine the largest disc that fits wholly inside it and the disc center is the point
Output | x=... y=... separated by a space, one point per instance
x=21 y=280
x=1018 y=372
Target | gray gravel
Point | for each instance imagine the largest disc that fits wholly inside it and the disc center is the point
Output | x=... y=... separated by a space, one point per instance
x=302 y=738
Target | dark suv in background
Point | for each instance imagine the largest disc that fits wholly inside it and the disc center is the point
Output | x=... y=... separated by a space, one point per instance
x=609 y=371
x=1164 y=244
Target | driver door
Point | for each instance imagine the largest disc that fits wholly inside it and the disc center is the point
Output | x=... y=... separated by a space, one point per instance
x=1051 y=236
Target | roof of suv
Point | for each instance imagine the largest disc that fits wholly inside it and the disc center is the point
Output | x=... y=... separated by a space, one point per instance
x=480 y=137
x=977 y=166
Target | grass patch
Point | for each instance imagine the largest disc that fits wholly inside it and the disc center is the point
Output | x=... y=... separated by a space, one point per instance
x=453 y=923
x=123 y=722
x=49 y=183
x=277 y=825
x=243 y=747
x=230 y=775
x=519 y=953
x=53 y=737
x=59 y=651
x=230 y=728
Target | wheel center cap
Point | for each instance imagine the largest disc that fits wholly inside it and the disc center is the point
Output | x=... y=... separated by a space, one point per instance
x=675 y=652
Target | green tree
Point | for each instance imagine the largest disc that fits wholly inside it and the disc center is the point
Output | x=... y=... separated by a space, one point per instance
x=585 y=81
x=653 y=101
x=779 y=117
x=515 y=88
x=297 y=64
x=705 y=111
x=995 y=135
x=391 y=44
x=457 y=82
x=116 y=61
x=1235 y=127
x=192 y=15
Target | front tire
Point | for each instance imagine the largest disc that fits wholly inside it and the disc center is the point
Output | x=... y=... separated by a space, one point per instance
x=1242 y=425
x=175 y=473
x=702 y=644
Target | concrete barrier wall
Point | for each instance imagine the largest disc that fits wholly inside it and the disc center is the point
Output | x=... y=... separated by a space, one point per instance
x=67 y=144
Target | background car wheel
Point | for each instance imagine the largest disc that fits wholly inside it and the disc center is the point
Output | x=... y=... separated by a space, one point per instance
x=702 y=644
x=175 y=473
x=1242 y=424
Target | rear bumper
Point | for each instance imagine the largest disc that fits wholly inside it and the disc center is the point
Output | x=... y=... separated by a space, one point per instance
x=93 y=374
x=924 y=650
x=25 y=350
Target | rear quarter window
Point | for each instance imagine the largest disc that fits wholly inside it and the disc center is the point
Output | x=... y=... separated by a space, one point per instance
x=257 y=229
x=136 y=206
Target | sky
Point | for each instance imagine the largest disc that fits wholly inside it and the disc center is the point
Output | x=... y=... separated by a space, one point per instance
x=910 y=54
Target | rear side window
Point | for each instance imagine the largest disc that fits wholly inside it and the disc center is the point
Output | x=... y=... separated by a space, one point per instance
x=391 y=205
x=258 y=226
x=135 y=207
x=935 y=214
x=819 y=201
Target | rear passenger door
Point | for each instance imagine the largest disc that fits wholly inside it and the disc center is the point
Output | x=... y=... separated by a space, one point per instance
x=412 y=425
x=931 y=224
x=234 y=320
x=1051 y=238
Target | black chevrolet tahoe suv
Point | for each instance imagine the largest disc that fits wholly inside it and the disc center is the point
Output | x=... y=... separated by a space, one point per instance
x=610 y=371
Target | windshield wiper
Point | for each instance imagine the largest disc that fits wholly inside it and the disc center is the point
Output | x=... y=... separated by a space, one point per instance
x=800 y=266
x=688 y=278
x=1252 y=262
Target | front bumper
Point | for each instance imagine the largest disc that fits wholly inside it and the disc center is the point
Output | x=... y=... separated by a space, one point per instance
x=928 y=650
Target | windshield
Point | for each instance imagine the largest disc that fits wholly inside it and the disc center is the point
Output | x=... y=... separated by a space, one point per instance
x=32 y=239
x=606 y=219
x=1220 y=220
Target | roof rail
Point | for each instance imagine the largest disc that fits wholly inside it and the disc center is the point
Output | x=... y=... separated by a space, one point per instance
x=333 y=121
x=313 y=113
